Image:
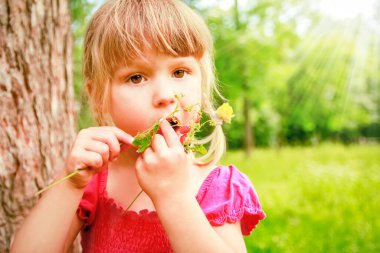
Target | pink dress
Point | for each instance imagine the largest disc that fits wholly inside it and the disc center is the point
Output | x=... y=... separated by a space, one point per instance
x=226 y=195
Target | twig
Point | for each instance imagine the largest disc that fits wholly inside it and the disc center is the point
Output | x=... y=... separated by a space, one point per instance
x=133 y=201
x=59 y=181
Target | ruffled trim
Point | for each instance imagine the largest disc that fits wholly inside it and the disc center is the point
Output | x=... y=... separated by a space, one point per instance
x=250 y=221
x=84 y=214
x=249 y=217
x=115 y=205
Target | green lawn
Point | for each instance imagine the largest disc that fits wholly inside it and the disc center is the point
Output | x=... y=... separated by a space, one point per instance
x=317 y=199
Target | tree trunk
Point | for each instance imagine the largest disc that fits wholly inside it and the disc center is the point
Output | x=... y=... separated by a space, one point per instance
x=248 y=140
x=37 y=109
x=248 y=136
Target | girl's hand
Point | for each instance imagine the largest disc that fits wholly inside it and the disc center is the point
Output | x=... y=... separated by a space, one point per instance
x=93 y=148
x=163 y=169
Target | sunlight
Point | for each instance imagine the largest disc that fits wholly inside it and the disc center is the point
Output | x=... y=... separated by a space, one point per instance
x=346 y=40
x=346 y=9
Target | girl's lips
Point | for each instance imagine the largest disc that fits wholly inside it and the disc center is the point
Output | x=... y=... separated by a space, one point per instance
x=176 y=131
x=174 y=122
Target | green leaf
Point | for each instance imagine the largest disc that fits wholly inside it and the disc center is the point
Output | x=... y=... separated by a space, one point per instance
x=200 y=149
x=156 y=126
x=144 y=140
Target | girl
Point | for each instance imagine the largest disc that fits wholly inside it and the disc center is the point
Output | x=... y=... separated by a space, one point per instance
x=138 y=55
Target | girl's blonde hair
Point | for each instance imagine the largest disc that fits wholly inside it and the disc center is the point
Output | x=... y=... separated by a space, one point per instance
x=120 y=30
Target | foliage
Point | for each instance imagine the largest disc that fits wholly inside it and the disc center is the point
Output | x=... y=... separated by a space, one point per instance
x=187 y=131
x=320 y=88
x=303 y=87
x=317 y=199
x=250 y=43
x=80 y=14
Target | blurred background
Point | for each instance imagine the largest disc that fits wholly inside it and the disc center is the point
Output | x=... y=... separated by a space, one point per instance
x=304 y=80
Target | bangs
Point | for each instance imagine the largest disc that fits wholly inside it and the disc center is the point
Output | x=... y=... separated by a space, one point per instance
x=127 y=28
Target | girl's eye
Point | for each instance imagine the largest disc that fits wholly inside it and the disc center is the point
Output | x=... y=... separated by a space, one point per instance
x=179 y=73
x=136 y=79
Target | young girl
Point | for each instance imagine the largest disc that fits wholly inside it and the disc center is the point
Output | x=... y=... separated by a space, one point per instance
x=138 y=55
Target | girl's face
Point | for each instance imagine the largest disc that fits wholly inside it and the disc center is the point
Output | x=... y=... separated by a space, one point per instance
x=144 y=91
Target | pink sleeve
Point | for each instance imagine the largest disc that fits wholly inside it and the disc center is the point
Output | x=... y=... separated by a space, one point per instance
x=230 y=197
x=87 y=206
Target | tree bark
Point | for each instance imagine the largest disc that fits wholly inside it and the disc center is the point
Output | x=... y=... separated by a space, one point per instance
x=37 y=109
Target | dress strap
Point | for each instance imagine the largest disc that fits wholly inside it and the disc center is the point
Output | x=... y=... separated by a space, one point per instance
x=102 y=181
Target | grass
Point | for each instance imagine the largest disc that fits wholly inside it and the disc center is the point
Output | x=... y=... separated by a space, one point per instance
x=317 y=199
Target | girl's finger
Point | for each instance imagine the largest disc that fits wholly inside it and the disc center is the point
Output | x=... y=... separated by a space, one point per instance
x=169 y=134
x=109 y=138
x=122 y=136
x=139 y=165
x=147 y=155
x=98 y=147
x=139 y=162
x=92 y=160
x=159 y=143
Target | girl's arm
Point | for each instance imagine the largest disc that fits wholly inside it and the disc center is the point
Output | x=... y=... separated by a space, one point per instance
x=163 y=173
x=231 y=234
x=189 y=230
x=53 y=224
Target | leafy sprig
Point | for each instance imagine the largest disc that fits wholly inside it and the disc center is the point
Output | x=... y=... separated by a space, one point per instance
x=223 y=114
x=144 y=140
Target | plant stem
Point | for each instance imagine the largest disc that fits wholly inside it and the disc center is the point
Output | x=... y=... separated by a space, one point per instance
x=58 y=182
x=133 y=201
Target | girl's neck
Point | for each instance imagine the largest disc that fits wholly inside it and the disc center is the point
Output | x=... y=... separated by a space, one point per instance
x=127 y=159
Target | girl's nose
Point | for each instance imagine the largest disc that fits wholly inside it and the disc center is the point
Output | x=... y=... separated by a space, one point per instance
x=163 y=96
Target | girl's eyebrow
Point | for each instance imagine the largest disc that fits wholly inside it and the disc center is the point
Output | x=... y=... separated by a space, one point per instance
x=120 y=72
x=139 y=64
x=131 y=67
x=179 y=61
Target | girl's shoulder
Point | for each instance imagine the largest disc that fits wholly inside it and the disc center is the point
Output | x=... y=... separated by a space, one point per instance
x=227 y=195
x=223 y=178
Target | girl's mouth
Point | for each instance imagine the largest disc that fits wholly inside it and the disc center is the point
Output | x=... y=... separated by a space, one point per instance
x=174 y=122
